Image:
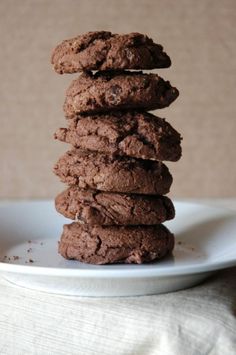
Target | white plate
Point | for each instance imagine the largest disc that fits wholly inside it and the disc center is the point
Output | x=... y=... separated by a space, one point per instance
x=205 y=242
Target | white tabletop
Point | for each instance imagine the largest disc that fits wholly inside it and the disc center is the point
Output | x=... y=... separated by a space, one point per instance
x=197 y=321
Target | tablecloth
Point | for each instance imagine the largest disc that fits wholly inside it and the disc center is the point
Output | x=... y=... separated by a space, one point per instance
x=197 y=321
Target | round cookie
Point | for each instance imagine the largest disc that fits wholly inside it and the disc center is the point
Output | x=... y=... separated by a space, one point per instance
x=107 y=91
x=113 y=173
x=136 y=134
x=115 y=244
x=103 y=50
x=104 y=208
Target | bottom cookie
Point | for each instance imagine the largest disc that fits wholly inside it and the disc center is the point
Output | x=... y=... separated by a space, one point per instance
x=115 y=244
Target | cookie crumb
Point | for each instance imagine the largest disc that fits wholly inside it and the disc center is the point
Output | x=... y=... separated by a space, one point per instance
x=29 y=250
x=31 y=260
x=16 y=257
x=179 y=242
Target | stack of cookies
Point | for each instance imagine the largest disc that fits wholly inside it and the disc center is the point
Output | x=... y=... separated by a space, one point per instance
x=114 y=170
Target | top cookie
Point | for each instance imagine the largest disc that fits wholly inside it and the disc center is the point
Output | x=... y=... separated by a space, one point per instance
x=103 y=50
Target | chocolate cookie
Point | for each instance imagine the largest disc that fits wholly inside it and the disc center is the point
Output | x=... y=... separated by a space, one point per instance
x=104 y=208
x=106 y=91
x=136 y=134
x=113 y=173
x=115 y=244
x=106 y=51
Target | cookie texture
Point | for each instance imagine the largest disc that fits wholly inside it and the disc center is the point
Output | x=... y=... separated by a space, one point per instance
x=107 y=91
x=103 y=50
x=136 y=134
x=104 y=208
x=115 y=244
x=113 y=173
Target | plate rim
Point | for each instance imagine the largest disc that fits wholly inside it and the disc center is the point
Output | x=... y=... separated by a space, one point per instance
x=114 y=273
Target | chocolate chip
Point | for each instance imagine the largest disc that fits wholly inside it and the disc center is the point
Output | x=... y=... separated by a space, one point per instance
x=145 y=83
x=129 y=54
x=115 y=89
x=113 y=94
x=134 y=88
x=91 y=101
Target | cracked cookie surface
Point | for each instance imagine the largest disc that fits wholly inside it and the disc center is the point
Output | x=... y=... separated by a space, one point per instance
x=115 y=244
x=103 y=50
x=104 y=208
x=113 y=173
x=136 y=134
x=107 y=91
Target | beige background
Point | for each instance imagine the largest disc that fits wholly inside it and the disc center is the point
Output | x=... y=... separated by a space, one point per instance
x=198 y=35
